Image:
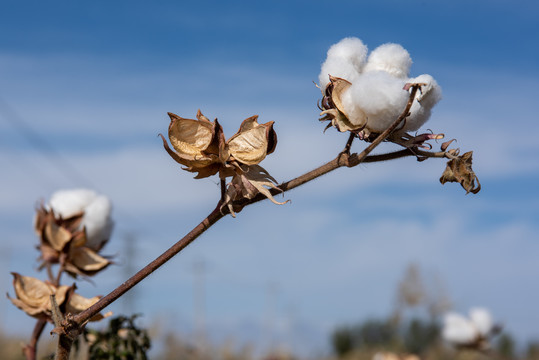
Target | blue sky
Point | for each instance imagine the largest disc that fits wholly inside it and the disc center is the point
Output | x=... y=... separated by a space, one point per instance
x=84 y=90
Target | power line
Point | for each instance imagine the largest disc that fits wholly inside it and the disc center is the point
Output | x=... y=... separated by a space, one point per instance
x=45 y=148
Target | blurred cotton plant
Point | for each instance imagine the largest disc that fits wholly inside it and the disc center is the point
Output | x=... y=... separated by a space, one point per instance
x=73 y=227
x=472 y=332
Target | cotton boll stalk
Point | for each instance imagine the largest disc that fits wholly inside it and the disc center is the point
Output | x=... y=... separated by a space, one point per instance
x=345 y=59
x=424 y=101
x=482 y=320
x=96 y=211
x=375 y=99
x=391 y=58
x=459 y=330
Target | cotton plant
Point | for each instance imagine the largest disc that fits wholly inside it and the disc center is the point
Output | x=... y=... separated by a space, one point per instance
x=72 y=227
x=472 y=332
x=372 y=97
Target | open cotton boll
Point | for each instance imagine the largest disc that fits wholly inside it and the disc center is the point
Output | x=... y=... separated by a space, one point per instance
x=458 y=330
x=391 y=58
x=423 y=103
x=67 y=203
x=377 y=98
x=345 y=59
x=96 y=208
x=482 y=320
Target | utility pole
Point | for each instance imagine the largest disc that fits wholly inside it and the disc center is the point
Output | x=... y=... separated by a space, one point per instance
x=199 y=302
x=130 y=255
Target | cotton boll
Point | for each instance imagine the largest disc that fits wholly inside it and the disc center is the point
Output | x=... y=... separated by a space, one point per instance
x=96 y=208
x=345 y=59
x=424 y=101
x=482 y=320
x=391 y=58
x=458 y=330
x=377 y=98
x=67 y=203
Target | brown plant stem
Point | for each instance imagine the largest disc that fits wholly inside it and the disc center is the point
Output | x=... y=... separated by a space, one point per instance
x=30 y=349
x=343 y=159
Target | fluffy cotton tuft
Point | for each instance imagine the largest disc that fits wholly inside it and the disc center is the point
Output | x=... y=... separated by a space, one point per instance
x=423 y=103
x=482 y=320
x=345 y=59
x=391 y=58
x=97 y=210
x=458 y=330
x=376 y=98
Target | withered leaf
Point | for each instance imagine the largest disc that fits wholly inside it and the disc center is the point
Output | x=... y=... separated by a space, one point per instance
x=460 y=170
x=247 y=185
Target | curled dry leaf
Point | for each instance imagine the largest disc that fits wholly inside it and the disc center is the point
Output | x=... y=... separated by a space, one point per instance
x=33 y=295
x=247 y=185
x=460 y=170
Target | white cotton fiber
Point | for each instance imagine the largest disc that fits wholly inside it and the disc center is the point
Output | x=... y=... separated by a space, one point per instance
x=97 y=210
x=458 y=330
x=391 y=58
x=423 y=103
x=98 y=222
x=67 y=203
x=345 y=59
x=378 y=96
x=482 y=320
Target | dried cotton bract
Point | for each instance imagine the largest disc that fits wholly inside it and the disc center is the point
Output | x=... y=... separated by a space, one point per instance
x=200 y=146
x=365 y=96
x=33 y=297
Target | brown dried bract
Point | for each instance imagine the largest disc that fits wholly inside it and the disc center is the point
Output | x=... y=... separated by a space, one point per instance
x=61 y=241
x=460 y=170
x=333 y=109
x=33 y=297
